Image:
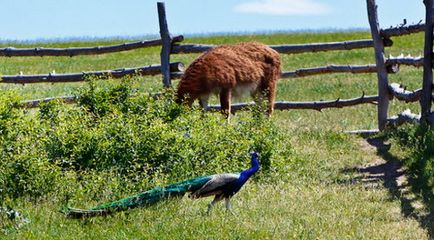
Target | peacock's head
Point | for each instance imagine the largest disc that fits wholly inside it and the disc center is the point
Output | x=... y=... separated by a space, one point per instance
x=255 y=159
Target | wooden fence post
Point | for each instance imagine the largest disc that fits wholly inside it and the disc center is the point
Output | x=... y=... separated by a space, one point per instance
x=425 y=101
x=383 y=84
x=166 y=44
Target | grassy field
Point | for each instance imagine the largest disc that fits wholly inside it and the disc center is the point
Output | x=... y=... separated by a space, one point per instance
x=312 y=197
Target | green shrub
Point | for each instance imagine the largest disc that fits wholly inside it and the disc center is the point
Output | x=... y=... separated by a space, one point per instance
x=117 y=139
x=25 y=170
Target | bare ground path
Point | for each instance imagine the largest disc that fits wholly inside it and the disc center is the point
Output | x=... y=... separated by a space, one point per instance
x=386 y=170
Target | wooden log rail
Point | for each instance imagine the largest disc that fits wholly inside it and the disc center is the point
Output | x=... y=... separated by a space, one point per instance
x=402 y=118
x=66 y=99
x=177 y=71
x=76 y=77
x=409 y=61
x=402 y=30
x=75 y=51
x=35 y=103
x=397 y=91
x=316 y=105
x=283 y=105
x=303 y=72
x=285 y=49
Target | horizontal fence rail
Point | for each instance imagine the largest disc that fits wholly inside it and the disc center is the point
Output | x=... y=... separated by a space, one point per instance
x=76 y=77
x=281 y=105
x=75 y=51
x=316 y=105
x=303 y=72
x=397 y=91
x=409 y=61
x=35 y=103
x=285 y=49
x=322 y=47
x=402 y=118
x=198 y=48
x=402 y=30
x=177 y=71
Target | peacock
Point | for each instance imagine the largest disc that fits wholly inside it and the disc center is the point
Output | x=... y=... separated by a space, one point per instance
x=221 y=186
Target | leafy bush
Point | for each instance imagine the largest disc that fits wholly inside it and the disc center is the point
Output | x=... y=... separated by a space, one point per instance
x=24 y=168
x=117 y=139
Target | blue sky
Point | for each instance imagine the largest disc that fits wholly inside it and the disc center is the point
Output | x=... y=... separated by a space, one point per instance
x=54 y=19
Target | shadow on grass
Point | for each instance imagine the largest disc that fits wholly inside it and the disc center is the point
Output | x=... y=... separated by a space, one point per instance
x=390 y=175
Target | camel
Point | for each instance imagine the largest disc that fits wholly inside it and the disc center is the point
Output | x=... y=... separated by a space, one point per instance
x=232 y=70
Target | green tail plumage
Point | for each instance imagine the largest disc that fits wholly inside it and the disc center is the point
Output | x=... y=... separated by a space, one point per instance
x=141 y=199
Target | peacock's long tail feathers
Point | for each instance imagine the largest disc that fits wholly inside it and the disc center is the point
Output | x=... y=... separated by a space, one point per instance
x=145 y=198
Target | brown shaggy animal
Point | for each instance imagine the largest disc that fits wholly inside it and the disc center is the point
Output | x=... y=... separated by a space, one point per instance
x=232 y=70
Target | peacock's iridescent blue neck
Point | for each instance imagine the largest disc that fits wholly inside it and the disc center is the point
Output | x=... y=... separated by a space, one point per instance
x=246 y=174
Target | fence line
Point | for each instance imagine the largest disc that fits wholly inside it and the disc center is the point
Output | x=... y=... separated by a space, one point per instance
x=74 y=51
x=401 y=118
x=280 y=105
x=317 y=47
x=35 y=103
x=355 y=69
x=284 y=49
x=402 y=30
x=176 y=72
x=397 y=91
x=77 y=77
x=315 y=105
x=409 y=61
x=380 y=40
x=330 y=69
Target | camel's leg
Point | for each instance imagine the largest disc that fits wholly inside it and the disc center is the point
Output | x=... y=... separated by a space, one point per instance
x=270 y=88
x=271 y=94
x=225 y=101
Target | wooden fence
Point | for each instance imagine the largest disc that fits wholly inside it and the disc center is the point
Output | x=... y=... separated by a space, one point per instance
x=383 y=66
x=388 y=91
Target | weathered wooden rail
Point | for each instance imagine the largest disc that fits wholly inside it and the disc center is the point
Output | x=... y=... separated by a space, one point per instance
x=397 y=91
x=35 y=103
x=402 y=30
x=77 y=77
x=315 y=105
x=284 y=49
x=76 y=51
x=280 y=105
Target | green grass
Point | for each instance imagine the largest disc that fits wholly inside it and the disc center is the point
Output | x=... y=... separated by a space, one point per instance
x=309 y=198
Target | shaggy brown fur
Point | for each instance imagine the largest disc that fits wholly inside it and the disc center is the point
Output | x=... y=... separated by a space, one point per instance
x=231 y=70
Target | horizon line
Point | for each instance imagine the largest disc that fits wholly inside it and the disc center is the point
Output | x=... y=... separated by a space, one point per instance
x=191 y=35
